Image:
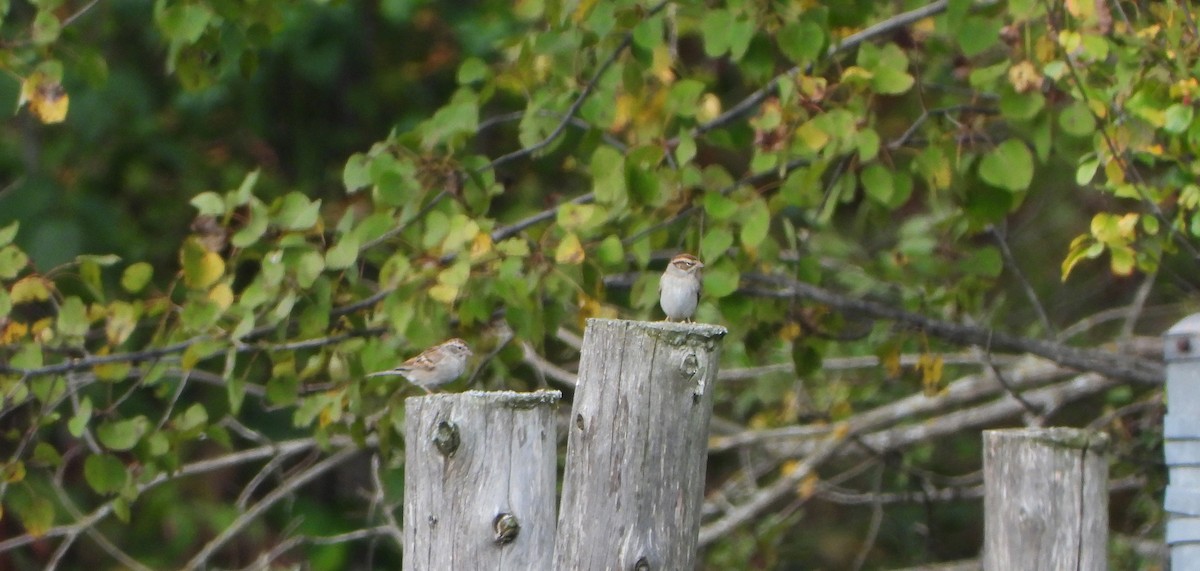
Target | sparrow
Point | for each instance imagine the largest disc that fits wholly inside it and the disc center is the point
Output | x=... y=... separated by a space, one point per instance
x=435 y=366
x=679 y=288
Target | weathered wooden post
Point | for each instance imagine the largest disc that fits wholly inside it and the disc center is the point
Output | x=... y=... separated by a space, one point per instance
x=634 y=480
x=479 y=481
x=1181 y=446
x=1045 y=500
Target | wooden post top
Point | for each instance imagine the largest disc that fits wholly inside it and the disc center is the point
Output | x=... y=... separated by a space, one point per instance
x=514 y=399
x=706 y=331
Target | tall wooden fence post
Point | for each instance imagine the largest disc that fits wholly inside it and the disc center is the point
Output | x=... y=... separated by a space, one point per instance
x=479 y=479
x=634 y=481
x=1045 y=500
x=1181 y=445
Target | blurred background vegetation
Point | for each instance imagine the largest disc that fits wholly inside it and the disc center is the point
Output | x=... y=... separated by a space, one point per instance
x=168 y=100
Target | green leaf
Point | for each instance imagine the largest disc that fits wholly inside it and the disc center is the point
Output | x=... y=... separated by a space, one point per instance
x=72 y=318
x=985 y=262
x=472 y=70
x=877 y=183
x=756 y=222
x=719 y=206
x=1086 y=171
x=715 y=243
x=193 y=418
x=184 y=23
x=720 y=278
x=459 y=117
x=245 y=191
x=209 y=204
x=343 y=254
x=1008 y=166
x=1020 y=106
x=977 y=34
x=297 y=212
x=80 y=421
x=9 y=232
x=608 y=176
x=256 y=226
x=684 y=96
x=121 y=435
x=104 y=473
x=12 y=261
x=611 y=253
x=1178 y=118
x=716 y=29
x=46 y=28
x=1077 y=120
x=892 y=80
x=801 y=41
x=136 y=276
x=357 y=173
x=35 y=512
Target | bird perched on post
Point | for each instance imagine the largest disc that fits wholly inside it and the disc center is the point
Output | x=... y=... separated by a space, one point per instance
x=435 y=366
x=679 y=288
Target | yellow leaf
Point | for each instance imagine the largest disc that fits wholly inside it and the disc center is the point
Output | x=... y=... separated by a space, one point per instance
x=661 y=65
x=201 y=268
x=482 y=244
x=581 y=12
x=31 y=288
x=841 y=430
x=47 y=99
x=570 y=251
x=623 y=112
x=808 y=486
x=444 y=293
x=13 y=332
x=789 y=467
x=14 y=473
x=1024 y=77
x=790 y=331
x=931 y=373
x=710 y=108
x=222 y=295
x=812 y=136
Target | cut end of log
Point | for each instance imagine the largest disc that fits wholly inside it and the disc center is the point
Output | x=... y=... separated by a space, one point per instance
x=512 y=399
x=706 y=331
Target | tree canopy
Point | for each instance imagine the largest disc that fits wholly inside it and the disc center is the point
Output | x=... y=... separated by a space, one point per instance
x=918 y=220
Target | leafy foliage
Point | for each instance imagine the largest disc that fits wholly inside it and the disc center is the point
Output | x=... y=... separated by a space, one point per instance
x=536 y=167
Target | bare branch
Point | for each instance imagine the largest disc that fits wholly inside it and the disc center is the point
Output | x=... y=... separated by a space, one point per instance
x=286 y=488
x=1115 y=365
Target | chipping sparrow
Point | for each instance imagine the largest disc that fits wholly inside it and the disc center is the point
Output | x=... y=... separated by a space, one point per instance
x=679 y=288
x=435 y=366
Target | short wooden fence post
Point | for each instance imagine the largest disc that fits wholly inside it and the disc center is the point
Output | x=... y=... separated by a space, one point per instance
x=479 y=479
x=634 y=480
x=1045 y=500
x=1181 y=442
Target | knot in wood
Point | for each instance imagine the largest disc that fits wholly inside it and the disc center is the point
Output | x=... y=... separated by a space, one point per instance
x=506 y=527
x=642 y=564
x=446 y=438
x=690 y=365
x=1184 y=345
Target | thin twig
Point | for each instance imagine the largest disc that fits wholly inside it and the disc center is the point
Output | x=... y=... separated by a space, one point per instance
x=1010 y=261
x=588 y=88
x=286 y=488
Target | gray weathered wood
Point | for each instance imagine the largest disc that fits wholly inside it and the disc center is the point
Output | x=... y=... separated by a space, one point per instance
x=1045 y=500
x=479 y=481
x=1181 y=446
x=634 y=480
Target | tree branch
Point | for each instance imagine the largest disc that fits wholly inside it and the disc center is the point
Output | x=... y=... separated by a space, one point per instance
x=1125 y=367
